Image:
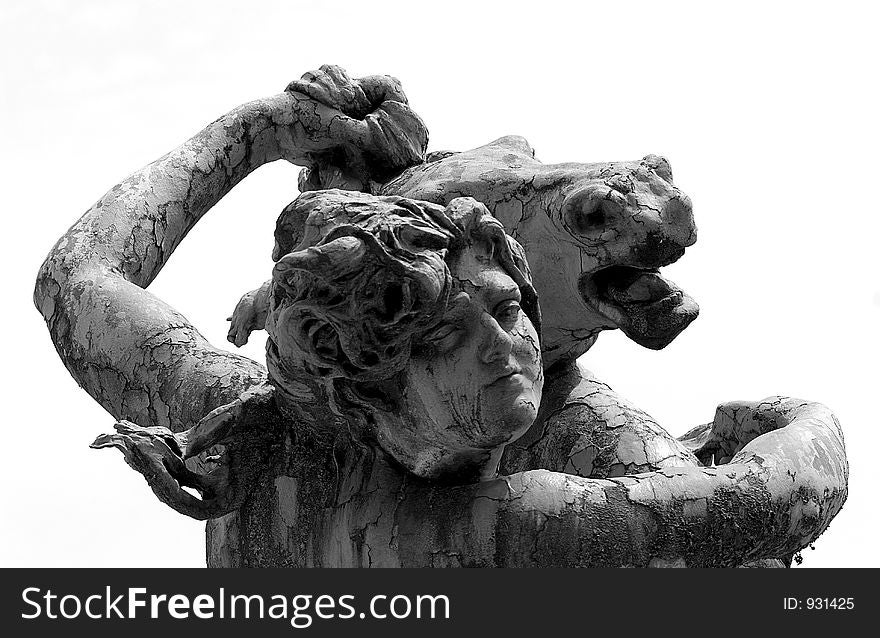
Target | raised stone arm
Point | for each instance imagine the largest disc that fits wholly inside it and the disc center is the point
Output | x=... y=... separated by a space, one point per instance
x=775 y=497
x=133 y=353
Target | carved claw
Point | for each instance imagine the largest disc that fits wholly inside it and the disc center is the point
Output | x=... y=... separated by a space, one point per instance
x=736 y=424
x=700 y=442
x=249 y=315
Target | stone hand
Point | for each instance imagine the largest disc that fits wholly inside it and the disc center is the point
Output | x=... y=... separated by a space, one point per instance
x=330 y=85
x=159 y=455
x=375 y=120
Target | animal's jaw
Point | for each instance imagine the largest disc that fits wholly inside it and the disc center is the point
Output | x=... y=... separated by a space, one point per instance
x=649 y=309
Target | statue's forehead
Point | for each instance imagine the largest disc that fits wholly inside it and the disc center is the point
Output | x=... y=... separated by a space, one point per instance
x=475 y=270
x=478 y=288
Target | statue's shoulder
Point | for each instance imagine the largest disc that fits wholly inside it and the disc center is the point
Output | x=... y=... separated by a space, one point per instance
x=586 y=429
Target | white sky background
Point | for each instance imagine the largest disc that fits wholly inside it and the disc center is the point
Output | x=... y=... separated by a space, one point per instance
x=767 y=112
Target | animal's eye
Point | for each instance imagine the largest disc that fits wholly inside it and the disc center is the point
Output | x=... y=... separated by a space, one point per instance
x=591 y=211
x=507 y=313
x=593 y=219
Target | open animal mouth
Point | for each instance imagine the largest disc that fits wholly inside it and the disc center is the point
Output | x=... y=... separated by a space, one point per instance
x=649 y=309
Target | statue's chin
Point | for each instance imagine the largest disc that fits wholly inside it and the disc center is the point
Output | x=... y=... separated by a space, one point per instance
x=649 y=309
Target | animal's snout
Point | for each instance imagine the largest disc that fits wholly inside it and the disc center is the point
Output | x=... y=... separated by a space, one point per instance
x=659 y=222
x=677 y=218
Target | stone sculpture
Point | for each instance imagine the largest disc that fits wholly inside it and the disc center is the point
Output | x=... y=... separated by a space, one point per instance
x=411 y=415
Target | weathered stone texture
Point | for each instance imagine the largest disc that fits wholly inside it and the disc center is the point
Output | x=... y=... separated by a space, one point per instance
x=302 y=466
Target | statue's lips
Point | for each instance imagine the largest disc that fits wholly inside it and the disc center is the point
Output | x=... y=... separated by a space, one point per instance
x=511 y=376
x=649 y=309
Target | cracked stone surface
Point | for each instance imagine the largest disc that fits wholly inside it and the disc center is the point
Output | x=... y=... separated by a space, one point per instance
x=375 y=437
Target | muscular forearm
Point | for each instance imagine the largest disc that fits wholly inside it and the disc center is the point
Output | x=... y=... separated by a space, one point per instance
x=135 y=226
x=776 y=497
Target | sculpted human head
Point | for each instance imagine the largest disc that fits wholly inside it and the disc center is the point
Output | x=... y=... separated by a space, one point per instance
x=421 y=321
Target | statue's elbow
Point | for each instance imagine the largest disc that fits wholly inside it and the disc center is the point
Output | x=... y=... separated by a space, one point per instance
x=62 y=267
x=46 y=290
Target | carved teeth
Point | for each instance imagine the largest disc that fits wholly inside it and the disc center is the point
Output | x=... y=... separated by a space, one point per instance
x=628 y=285
x=647 y=307
x=647 y=286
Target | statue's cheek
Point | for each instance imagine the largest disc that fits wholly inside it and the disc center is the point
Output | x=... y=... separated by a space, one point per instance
x=527 y=348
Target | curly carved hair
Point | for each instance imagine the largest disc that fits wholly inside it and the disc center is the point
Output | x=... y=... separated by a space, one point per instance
x=358 y=278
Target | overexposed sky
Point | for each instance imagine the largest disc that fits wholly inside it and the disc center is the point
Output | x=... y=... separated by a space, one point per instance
x=767 y=112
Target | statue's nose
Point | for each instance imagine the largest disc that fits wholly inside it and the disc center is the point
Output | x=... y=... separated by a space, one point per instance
x=495 y=343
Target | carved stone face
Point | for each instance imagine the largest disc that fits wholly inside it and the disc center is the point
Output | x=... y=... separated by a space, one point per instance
x=474 y=381
x=594 y=234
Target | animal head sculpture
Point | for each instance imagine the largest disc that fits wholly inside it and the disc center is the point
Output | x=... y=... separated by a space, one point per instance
x=595 y=235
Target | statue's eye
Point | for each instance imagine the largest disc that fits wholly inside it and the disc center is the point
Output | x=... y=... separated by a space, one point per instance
x=507 y=313
x=445 y=337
